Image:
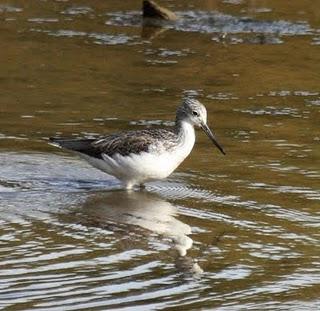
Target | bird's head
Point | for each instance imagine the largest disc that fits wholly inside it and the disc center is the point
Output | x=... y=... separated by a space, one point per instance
x=195 y=113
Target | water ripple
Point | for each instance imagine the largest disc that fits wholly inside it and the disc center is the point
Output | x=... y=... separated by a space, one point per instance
x=96 y=38
x=77 y=10
x=211 y=22
x=5 y=8
x=65 y=244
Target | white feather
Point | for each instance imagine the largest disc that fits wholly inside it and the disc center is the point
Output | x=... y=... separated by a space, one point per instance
x=157 y=163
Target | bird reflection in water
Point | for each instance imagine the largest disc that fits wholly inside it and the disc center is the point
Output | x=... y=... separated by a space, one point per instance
x=147 y=211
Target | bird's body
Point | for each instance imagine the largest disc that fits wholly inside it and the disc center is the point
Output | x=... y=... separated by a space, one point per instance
x=136 y=157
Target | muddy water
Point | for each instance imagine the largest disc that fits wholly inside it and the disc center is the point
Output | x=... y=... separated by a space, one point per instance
x=228 y=233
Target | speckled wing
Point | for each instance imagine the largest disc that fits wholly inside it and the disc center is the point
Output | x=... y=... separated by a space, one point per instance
x=134 y=142
x=81 y=145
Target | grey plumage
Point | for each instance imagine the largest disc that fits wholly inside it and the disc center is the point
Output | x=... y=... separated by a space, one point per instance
x=135 y=157
x=80 y=145
x=123 y=143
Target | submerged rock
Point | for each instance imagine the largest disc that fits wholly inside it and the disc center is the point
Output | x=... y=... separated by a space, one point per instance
x=151 y=9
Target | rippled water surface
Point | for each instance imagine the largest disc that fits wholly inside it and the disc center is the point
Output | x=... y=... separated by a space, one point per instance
x=239 y=232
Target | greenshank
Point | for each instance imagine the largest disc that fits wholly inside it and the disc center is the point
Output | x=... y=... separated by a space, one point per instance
x=136 y=157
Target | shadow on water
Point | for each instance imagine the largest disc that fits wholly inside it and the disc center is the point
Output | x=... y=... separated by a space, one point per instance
x=140 y=209
x=61 y=187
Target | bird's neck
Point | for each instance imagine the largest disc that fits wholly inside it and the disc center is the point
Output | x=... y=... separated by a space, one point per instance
x=185 y=131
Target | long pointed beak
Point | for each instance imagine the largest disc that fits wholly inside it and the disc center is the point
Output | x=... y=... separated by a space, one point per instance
x=212 y=137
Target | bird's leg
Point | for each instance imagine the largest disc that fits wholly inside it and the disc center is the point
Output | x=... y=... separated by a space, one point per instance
x=128 y=186
x=131 y=186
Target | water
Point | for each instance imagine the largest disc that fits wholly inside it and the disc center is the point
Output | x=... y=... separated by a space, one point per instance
x=222 y=233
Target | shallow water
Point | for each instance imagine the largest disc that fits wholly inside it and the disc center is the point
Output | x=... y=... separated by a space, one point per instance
x=225 y=233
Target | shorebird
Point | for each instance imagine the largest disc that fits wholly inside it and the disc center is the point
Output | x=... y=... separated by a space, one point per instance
x=136 y=157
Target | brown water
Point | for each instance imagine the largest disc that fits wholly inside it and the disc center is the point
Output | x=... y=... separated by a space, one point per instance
x=71 y=241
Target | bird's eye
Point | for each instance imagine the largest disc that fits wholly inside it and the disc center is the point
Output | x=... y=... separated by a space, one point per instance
x=195 y=113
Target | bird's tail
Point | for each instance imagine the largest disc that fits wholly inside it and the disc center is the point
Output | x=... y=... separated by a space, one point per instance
x=79 y=145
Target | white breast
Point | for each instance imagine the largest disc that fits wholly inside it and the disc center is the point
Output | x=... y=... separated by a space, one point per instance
x=158 y=163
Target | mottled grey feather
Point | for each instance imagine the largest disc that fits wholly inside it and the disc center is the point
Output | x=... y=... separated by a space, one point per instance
x=123 y=143
x=80 y=145
x=135 y=141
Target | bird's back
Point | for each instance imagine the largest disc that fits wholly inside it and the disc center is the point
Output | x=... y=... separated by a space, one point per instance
x=123 y=143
